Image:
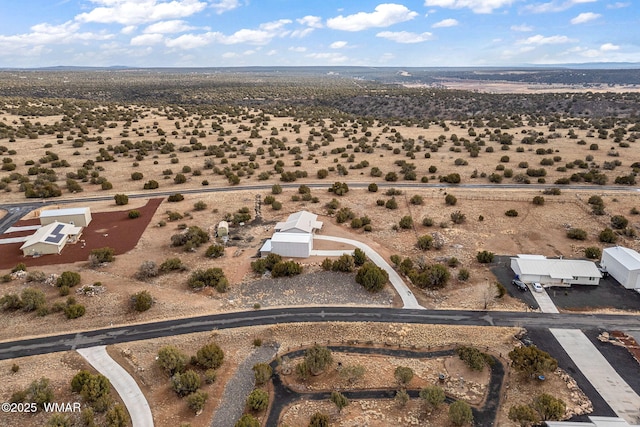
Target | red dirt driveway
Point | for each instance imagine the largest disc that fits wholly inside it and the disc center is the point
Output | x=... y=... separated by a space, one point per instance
x=107 y=229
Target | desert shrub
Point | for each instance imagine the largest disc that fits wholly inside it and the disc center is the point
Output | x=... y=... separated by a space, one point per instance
x=373 y=187
x=608 y=236
x=147 y=270
x=619 y=222
x=425 y=242
x=317 y=359
x=137 y=176
x=215 y=251
x=433 y=396
x=276 y=189
x=248 y=420
x=286 y=269
x=175 y=197
x=102 y=255
x=372 y=277
x=212 y=277
x=403 y=375
x=322 y=173
x=450 y=200
x=577 y=234
x=472 y=357
x=538 y=200
x=185 y=383
x=172 y=360
x=319 y=419
x=30 y=300
x=19 y=267
x=457 y=217
x=192 y=238
x=258 y=400
x=592 y=252
x=359 y=257
x=511 y=213
x=210 y=356
x=460 y=413
x=68 y=278
x=391 y=203
x=464 y=275
x=151 y=185
x=262 y=373
x=427 y=222
x=485 y=257
x=134 y=214
x=406 y=222
x=197 y=400
x=524 y=415
x=73 y=311
x=276 y=205
x=141 y=301
x=199 y=205
x=172 y=264
x=435 y=276
x=555 y=191
x=532 y=361
x=344 y=214
x=416 y=200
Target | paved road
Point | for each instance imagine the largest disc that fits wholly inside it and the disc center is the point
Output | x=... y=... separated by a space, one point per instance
x=124 y=384
x=73 y=341
x=408 y=299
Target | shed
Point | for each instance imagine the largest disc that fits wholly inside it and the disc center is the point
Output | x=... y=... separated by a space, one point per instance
x=555 y=272
x=223 y=229
x=75 y=216
x=623 y=264
x=50 y=239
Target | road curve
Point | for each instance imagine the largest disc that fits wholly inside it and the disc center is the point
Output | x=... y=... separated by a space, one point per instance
x=128 y=333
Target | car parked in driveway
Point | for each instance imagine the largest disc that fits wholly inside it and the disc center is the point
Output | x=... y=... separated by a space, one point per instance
x=520 y=285
x=537 y=287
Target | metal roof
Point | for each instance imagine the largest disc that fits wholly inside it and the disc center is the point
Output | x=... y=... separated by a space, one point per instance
x=62 y=212
x=302 y=220
x=558 y=268
x=280 y=237
x=51 y=234
x=625 y=256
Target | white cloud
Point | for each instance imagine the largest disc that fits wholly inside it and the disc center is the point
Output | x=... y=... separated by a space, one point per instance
x=310 y=21
x=540 y=40
x=147 y=39
x=334 y=58
x=130 y=29
x=585 y=17
x=298 y=49
x=618 y=5
x=44 y=34
x=168 y=27
x=385 y=15
x=405 y=36
x=192 y=41
x=446 y=23
x=272 y=52
x=555 y=6
x=607 y=47
x=524 y=28
x=132 y=12
x=338 y=44
x=477 y=6
x=222 y=6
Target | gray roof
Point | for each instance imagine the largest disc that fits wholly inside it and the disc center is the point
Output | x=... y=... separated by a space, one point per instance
x=62 y=212
x=558 y=268
x=303 y=221
x=625 y=256
x=51 y=234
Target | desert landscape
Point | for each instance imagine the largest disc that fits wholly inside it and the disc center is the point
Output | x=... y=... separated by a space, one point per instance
x=428 y=193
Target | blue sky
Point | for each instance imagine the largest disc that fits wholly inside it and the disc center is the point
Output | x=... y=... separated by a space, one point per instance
x=219 y=33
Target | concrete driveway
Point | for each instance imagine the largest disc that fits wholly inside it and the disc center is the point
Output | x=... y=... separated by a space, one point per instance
x=124 y=384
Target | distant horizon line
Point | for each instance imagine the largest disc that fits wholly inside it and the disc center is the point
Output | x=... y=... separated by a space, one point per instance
x=584 y=66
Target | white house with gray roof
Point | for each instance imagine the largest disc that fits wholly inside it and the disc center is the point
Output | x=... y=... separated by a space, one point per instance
x=293 y=237
x=555 y=272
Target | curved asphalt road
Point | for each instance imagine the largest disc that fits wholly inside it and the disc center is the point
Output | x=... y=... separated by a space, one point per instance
x=73 y=341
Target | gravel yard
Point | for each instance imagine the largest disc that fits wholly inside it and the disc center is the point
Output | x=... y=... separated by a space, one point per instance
x=320 y=288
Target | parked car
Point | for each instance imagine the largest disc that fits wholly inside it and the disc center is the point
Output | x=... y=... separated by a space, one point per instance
x=537 y=287
x=520 y=285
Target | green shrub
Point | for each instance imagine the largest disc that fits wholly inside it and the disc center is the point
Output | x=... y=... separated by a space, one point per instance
x=372 y=277
x=134 y=214
x=141 y=301
x=102 y=255
x=215 y=251
x=258 y=400
x=450 y=200
x=485 y=257
x=176 y=197
x=286 y=269
x=73 y=311
x=511 y=213
x=69 y=279
x=406 y=222
x=538 y=200
x=608 y=236
x=212 y=277
x=210 y=356
x=577 y=234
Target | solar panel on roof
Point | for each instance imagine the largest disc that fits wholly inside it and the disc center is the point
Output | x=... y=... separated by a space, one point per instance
x=55 y=236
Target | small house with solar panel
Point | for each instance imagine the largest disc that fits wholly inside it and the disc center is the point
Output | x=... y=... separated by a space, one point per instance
x=80 y=217
x=50 y=239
